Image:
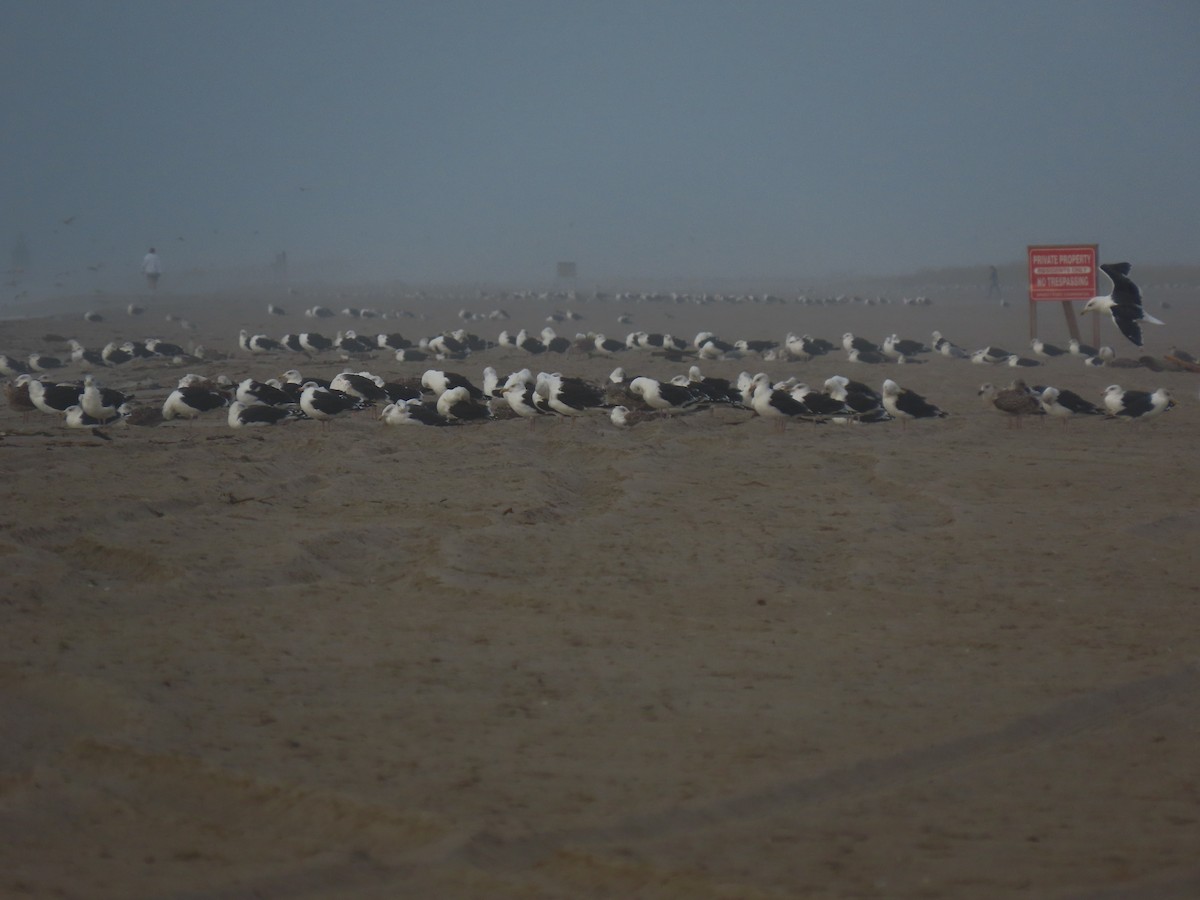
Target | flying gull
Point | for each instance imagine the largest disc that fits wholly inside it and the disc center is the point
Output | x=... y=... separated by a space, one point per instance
x=1124 y=303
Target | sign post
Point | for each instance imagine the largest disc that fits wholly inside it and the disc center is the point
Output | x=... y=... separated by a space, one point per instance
x=1063 y=272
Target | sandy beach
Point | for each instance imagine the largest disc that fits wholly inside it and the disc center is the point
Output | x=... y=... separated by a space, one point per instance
x=701 y=657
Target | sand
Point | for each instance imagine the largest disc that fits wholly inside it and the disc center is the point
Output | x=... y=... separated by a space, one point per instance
x=702 y=657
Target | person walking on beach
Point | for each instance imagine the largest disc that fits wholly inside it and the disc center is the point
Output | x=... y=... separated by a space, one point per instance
x=151 y=268
x=993 y=290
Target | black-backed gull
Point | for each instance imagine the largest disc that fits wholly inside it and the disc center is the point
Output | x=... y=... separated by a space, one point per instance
x=1063 y=404
x=948 y=348
x=569 y=396
x=855 y=355
x=818 y=403
x=76 y=417
x=52 y=398
x=718 y=390
x=314 y=342
x=1041 y=348
x=438 y=382
x=1136 y=404
x=1018 y=361
x=664 y=396
x=191 y=402
x=84 y=356
x=990 y=356
x=524 y=401
x=862 y=345
x=102 y=403
x=363 y=385
x=1124 y=303
x=259 y=393
x=12 y=367
x=164 y=349
x=624 y=417
x=322 y=404
x=393 y=341
x=241 y=415
x=904 y=404
x=771 y=403
x=408 y=412
x=458 y=404
x=607 y=345
x=39 y=362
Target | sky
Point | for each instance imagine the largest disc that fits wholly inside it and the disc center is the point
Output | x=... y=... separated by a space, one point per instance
x=486 y=141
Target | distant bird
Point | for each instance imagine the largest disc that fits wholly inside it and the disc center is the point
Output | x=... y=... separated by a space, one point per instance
x=1017 y=361
x=607 y=346
x=411 y=354
x=1136 y=404
x=350 y=342
x=904 y=404
x=392 y=341
x=624 y=417
x=114 y=355
x=897 y=347
x=990 y=356
x=553 y=342
x=41 y=363
x=1041 y=348
x=164 y=348
x=1124 y=303
x=258 y=343
x=274 y=310
x=948 y=348
x=871 y=357
x=314 y=342
x=862 y=345
x=1077 y=349
x=12 y=367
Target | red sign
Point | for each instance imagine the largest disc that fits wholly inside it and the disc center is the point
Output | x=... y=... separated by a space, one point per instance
x=1062 y=272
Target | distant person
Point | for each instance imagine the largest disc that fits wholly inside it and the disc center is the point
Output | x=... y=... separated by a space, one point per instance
x=151 y=268
x=993 y=291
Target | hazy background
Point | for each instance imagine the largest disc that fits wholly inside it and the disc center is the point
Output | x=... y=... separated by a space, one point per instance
x=461 y=141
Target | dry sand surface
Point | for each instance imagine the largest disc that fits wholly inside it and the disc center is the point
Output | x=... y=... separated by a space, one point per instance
x=702 y=657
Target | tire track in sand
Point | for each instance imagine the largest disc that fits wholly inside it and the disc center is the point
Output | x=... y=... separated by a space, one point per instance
x=1063 y=720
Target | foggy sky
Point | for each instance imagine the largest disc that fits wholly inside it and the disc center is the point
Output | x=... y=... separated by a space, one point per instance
x=456 y=141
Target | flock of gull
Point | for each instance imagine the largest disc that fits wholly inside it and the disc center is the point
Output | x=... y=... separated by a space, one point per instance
x=441 y=398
